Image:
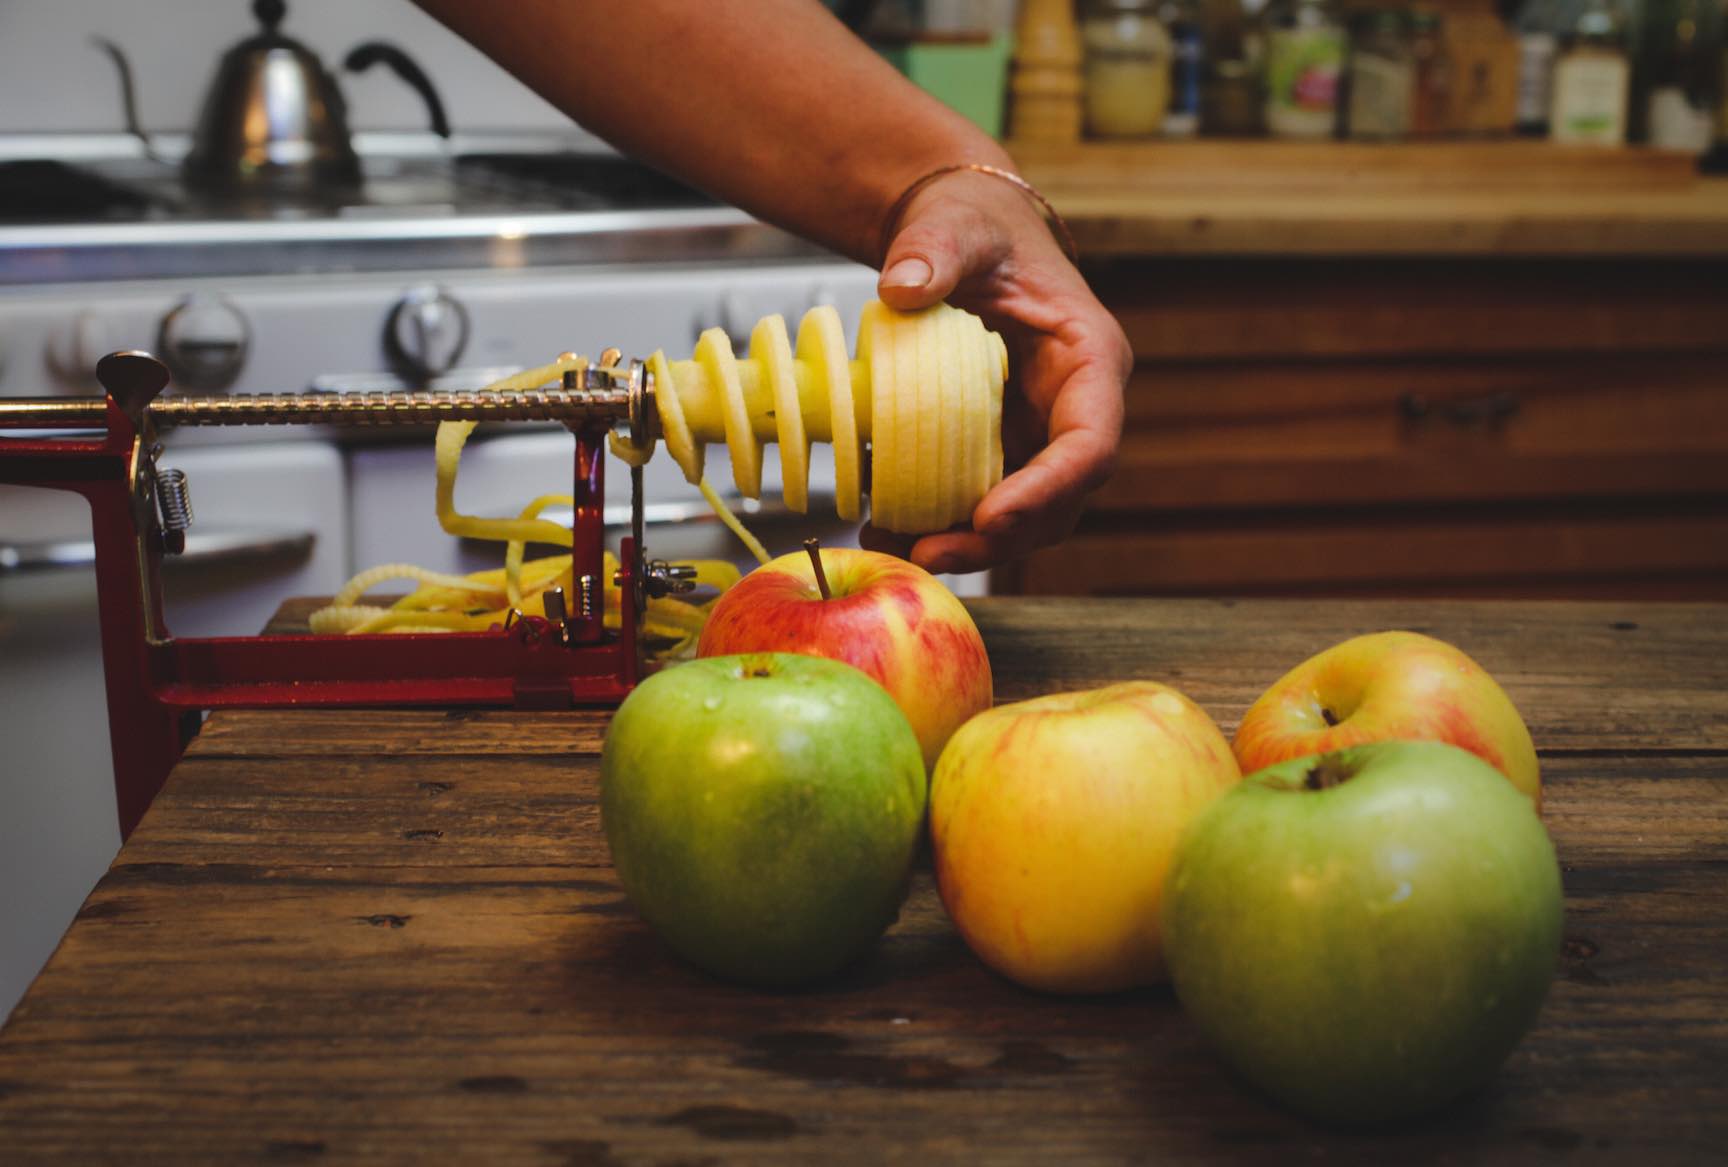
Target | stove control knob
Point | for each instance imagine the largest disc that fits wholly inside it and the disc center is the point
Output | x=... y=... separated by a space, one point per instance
x=730 y=315
x=73 y=349
x=204 y=339
x=736 y=318
x=426 y=333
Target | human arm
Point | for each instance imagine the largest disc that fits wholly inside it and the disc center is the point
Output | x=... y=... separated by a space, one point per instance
x=775 y=107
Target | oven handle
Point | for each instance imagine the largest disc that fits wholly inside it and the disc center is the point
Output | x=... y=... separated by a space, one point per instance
x=203 y=548
x=697 y=510
x=654 y=514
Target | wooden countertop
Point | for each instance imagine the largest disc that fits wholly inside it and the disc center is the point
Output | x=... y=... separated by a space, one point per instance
x=1318 y=199
x=384 y=937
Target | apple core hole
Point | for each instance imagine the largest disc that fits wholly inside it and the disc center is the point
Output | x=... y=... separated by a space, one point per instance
x=1329 y=717
x=1325 y=774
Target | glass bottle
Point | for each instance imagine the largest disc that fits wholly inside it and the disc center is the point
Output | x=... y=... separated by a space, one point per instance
x=1720 y=150
x=1187 y=62
x=1232 y=103
x=1676 y=76
x=1305 y=48
x=1592 y=81
x=1431 y=91
x=1382 y=78
x=1127 y=68
x=1538 y=28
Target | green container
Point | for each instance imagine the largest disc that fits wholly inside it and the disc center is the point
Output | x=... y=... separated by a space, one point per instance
x=971 y=77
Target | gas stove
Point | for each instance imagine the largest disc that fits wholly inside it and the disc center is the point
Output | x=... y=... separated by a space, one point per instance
x=147 y=191
x=435 y=259
x=150 y=190
x=133 y=218
x=442 y=269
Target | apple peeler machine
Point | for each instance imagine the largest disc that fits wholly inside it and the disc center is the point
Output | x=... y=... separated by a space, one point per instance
x=158 y=685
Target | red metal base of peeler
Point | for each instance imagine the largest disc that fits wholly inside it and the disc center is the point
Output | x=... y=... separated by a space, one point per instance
x=158 y=686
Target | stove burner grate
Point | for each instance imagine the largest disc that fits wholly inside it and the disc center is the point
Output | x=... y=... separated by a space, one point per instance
x=42 y=190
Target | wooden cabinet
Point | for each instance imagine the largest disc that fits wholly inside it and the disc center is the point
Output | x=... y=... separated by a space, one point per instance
x=1467 y=426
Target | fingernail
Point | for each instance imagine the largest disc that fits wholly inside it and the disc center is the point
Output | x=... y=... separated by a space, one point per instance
x=1004 y=523
x=908 y=273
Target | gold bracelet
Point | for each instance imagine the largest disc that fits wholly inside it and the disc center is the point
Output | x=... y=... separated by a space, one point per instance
x=1058 y=228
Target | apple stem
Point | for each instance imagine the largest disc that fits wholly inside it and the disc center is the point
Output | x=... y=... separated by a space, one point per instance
x=814 y=547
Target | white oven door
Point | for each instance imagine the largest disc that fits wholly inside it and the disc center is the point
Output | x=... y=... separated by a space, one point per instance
x=270 y=521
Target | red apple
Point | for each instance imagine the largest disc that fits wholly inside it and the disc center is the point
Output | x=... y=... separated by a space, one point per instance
x=885 y=616
x=1389 y=686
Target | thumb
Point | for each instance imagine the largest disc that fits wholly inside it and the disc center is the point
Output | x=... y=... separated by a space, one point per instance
x=927 y=259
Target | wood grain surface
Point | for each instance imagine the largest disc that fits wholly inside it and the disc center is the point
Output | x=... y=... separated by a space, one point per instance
x=1681 y=224
x=1473 y=427
x=393 y=936
x=1517 y=198
x=1273 y=165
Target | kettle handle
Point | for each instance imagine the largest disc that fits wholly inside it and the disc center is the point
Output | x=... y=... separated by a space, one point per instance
x=128 y=95
x=363 y=56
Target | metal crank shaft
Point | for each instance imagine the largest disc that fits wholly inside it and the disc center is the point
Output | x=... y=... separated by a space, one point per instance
x=597 y=394
x=357 y=409
x=562 y=405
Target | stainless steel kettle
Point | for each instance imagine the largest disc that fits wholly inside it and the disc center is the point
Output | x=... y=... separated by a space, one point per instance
x=274 y=122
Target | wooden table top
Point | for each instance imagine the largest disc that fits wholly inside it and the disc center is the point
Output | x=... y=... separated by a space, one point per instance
x=1454 y=199
x=394 y=936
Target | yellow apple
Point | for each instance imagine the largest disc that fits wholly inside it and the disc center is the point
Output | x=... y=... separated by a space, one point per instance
x=1054 y=822
x=1389 y=686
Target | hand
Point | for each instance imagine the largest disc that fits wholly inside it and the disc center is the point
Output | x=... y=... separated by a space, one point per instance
x=978 y=243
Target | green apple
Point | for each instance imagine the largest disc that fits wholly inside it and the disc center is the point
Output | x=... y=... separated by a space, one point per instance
x=1365 y=934
x=763 y=812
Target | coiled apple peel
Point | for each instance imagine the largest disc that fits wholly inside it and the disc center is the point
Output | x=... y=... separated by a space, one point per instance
x=925 y=391
x=458 y=603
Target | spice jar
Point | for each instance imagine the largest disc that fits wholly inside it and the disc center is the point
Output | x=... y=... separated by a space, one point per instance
x=1305 y=51
x=1232 y=103
x=1382 y=77
x=1127 y=68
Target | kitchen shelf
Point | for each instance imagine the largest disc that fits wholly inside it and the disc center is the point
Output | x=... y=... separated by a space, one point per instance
x=1262 y=163
x=1269 y=198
